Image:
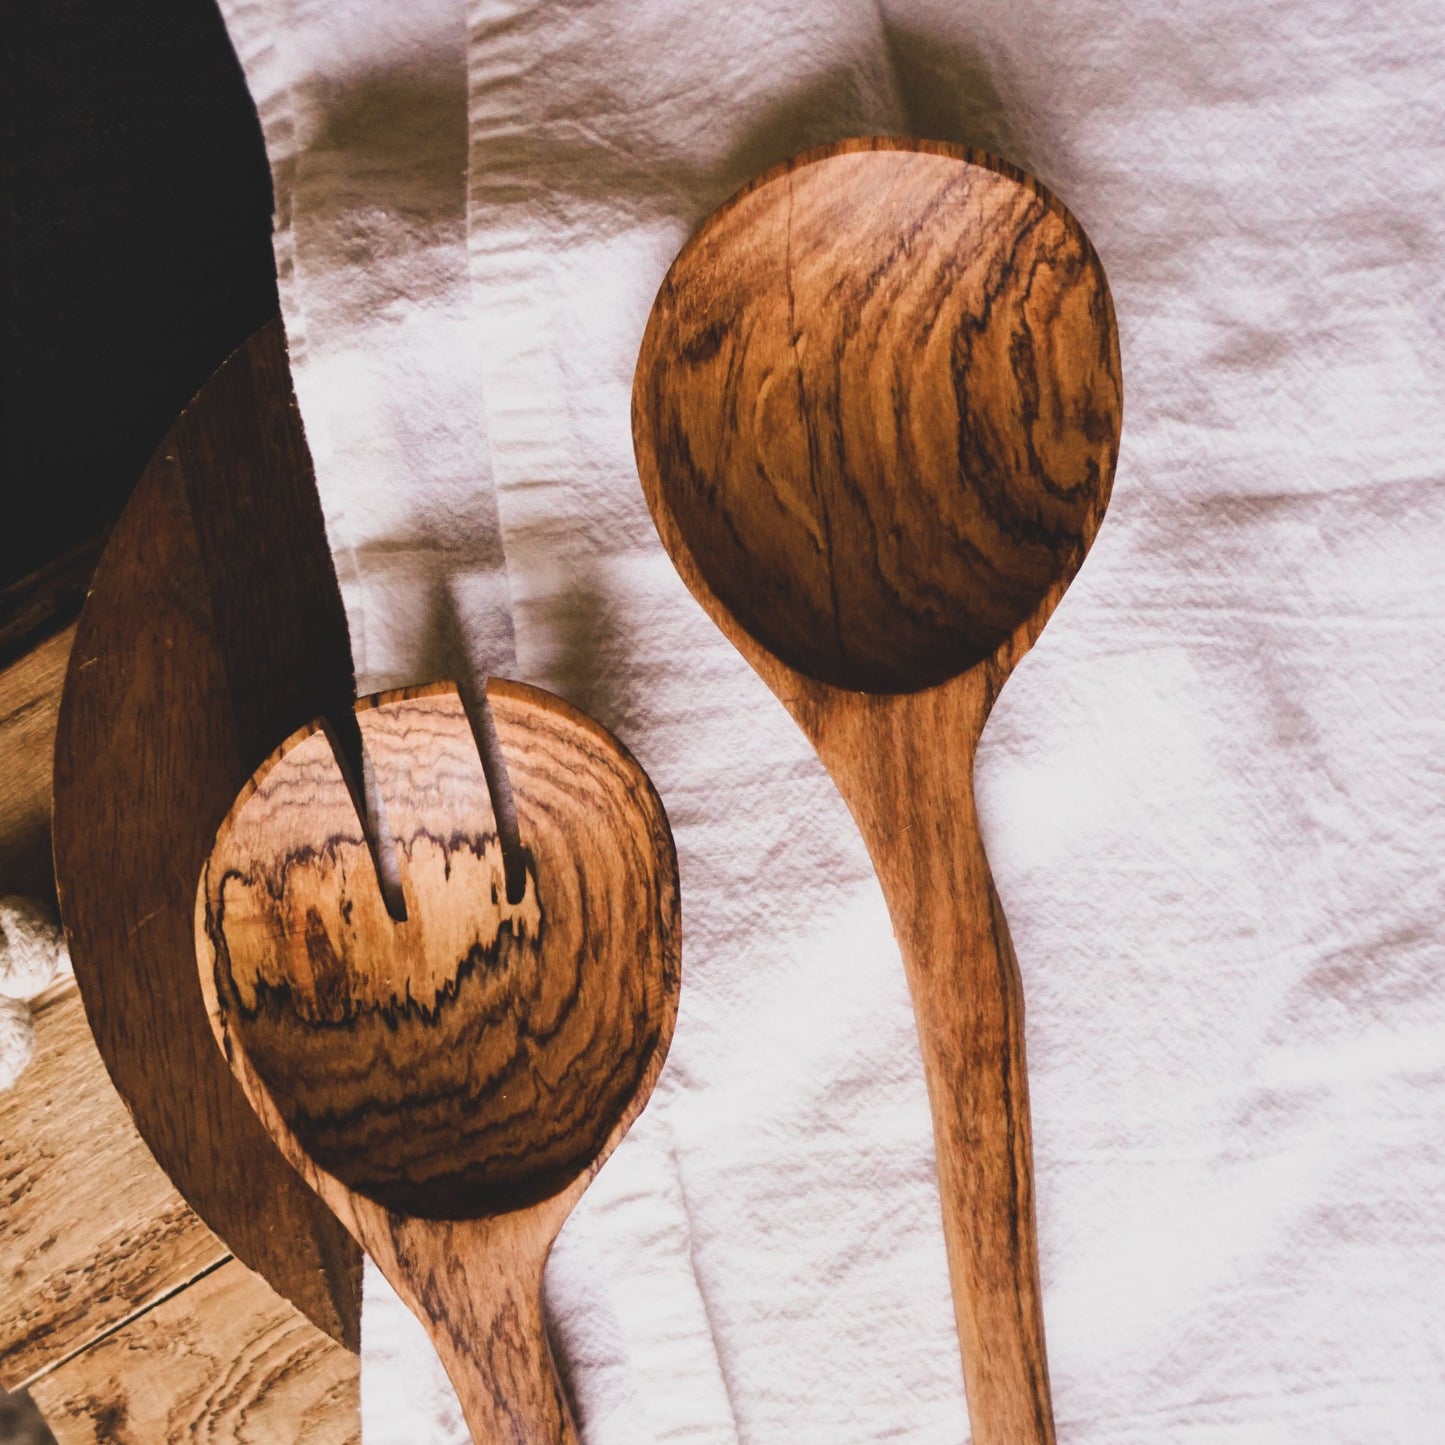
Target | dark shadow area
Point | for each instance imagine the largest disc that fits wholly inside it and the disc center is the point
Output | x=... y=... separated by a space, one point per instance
x=135 y=215
x=449 y=655
x=597 y=671
x=948 y=92
x=583 y=166
x=400 y=115
x=20 y=1422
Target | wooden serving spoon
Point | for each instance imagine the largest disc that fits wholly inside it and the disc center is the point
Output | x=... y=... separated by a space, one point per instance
x=876 y=417
x=450 y=1083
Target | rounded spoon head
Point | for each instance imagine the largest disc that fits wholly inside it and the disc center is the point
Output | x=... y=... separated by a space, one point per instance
x=878 y=407
x=481 y=1055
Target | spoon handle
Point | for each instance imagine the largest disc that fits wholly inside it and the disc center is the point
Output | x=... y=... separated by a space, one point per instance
x=965 y=985
x=478 y=1292
x=905 y=766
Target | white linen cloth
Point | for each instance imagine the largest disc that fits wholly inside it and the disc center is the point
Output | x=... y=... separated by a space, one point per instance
x=1211 y=795
x=33 y=955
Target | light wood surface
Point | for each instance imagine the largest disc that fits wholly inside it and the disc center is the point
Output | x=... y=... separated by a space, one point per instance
x=876 y=416
x=449 y=1082
x=91 y=1230
x=213 y=629
x=94 y=1238
x=224 y=1362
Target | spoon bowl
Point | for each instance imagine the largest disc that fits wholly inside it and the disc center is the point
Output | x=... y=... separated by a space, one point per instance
x=449 y=1082
x=876 y=416
x=886 y=386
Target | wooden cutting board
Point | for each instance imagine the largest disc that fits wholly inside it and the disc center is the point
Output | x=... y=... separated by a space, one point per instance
x=213 y=629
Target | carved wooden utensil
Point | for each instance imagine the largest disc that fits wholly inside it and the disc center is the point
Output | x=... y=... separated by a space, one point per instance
x=450 y=1082
x=876 y=416
x=214 y=626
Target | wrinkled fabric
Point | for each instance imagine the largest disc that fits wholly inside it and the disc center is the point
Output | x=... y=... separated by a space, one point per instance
x=1210 y=795
x=33 y=955
x=363 y=107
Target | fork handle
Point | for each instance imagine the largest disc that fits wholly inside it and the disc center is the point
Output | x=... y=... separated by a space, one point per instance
x=476 y=1286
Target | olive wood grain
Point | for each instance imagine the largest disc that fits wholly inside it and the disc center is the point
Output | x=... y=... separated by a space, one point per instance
x=213 y=628
x=450 y=1082
x=876 y=416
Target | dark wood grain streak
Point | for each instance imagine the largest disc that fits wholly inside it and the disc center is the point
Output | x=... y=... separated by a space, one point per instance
x=449 y=1082
x=213 y=628
x=876 y=416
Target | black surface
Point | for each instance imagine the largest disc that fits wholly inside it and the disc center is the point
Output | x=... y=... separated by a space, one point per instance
x=135 y=207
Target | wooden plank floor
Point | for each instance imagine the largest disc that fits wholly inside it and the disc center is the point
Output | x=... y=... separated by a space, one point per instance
x=127 y=1317
x=226 y=1359
x=91 y=1231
